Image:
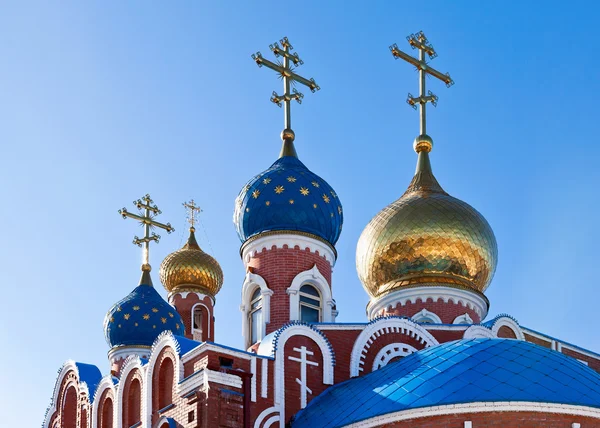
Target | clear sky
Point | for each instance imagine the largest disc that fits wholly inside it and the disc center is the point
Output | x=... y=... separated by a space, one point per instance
x=102 y=102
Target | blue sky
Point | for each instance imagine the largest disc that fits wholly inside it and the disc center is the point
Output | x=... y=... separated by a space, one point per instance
x=102 y=102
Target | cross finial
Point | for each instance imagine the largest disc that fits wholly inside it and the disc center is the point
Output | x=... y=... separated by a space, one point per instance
x=147 y=213
x=285 y=70
x=420 y=42
x=192 y=209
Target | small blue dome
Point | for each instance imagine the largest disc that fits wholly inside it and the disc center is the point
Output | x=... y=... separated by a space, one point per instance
x=463 y=371
x=139 y=318
x=288 y=196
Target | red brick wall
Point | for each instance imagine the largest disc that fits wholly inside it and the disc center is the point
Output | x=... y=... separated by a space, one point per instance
x=506 y=332
x=444 y=336
x=384 y=340
x=537 y=341
x=446 y=311
x=184 y=308
x=314 y=374
x=279 y=266
x=498 y=419
x=342 y=342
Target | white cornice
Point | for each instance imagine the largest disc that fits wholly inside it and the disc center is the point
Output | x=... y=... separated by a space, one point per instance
x=401 y=296
x=291 y=240
x=478 y=407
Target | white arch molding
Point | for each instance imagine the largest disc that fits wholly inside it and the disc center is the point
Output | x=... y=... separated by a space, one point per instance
x=131 y=364
x=279 y=378
x=315 y=278
x=425 y=315
x=510 y=323
x=164 y=340
x=380 y=327
x=391 y=351
x=478 y=332
x=253 y=281
x=105 y=384
x=204 y=334
x=270 y=415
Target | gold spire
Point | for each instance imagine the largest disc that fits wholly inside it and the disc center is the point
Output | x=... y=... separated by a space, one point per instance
x=286 y=73
x=146 y=218
x=190 y=268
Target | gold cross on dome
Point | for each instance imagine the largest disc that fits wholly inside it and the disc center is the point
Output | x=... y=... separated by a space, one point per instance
x=192 y=209
x=285 y=70
x=420 y=42
x=147 y=213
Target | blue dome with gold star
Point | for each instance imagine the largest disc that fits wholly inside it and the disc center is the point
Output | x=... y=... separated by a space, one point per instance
x=288 y=197
x=140 y=317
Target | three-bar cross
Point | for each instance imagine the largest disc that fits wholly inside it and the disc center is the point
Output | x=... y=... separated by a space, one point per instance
x=420 y=42
x=146 y=218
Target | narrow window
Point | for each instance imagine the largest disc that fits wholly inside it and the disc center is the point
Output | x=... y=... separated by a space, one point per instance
x=310 y=304
x=197 y=324
x=256 y=318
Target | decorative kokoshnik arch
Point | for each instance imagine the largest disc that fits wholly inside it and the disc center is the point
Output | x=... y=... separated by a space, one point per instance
x=383 y=326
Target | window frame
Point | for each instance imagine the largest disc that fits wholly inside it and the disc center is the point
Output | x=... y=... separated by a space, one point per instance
x=302 y=303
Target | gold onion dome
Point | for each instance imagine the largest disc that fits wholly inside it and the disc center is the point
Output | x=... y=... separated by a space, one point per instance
x=191 y=269
x=426 y=237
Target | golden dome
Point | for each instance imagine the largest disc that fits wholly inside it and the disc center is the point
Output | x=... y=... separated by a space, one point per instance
x=191 y=269
x=426 y=237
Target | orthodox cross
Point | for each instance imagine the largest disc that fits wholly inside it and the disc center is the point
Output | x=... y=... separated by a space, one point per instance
x=303 y=360
x=420 y=42
x=286 y=72
x=192 y=209
x=146 y=219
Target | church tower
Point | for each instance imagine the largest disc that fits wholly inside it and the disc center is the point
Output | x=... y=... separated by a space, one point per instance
x=133 y=323
x=288 y=219
x=193 y=278
x=427 y=255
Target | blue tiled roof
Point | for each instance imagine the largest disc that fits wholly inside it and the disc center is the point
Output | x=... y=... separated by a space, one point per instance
x=139 y=318
x=185 y=344
x=288 y=196
x=90 y=374
x=462 y=371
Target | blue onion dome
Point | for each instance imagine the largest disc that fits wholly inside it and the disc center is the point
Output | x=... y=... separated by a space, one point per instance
x=140 y=317
x=288 y=197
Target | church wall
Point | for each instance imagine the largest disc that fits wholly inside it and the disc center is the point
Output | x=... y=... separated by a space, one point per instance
x=184 y=304
x=342 y=342
x=443 y=336
x=279 y=266
x=538 y=341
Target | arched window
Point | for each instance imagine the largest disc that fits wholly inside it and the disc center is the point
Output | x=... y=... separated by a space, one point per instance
x=134 y=400
x=310 y=304
x=197 y=323
x=107 y=414
x=69 y=408
x=165 y=383
x=256 y=317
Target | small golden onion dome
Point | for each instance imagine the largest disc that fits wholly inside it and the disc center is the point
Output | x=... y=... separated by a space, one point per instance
x=191 y=269
x=426 y=237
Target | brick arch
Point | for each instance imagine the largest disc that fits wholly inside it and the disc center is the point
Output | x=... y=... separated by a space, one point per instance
x=69 y=407
x=105 y=390
x=163 y=382
x=390 y=330
x=129 y=398
x=106 y=410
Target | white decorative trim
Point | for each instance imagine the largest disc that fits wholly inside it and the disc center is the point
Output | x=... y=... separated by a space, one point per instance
x=205 y=347
x=391 y=351
x=205 y=335
x=264 y=378
x=164 y=340
x=383 y=326
x=463 y=319
x=467 y=298
x=251 y=282
x=424 y=314
x=291 y=240
x=263 y=415
x=124 y=352
x=478 y=332
x=204 y=377
x=315 y=278
x=279 y=378
x=67 y=366
x=478 y=407
x=105 y=384
x=184 y=294
x=133 y=363
x=253 y=380
x=510 y=323
x=341 y=326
